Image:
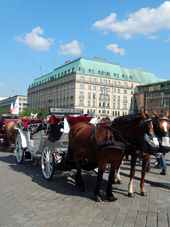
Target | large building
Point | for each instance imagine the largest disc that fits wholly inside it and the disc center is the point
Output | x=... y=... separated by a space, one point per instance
x=92 y=85
x=153 y=96
x=6 y=102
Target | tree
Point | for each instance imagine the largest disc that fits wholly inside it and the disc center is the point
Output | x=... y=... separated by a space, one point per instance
x=42 y=113
x=3 y=111
x=26 y=112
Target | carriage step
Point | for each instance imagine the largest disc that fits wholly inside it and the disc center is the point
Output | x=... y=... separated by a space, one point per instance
x=28 y=156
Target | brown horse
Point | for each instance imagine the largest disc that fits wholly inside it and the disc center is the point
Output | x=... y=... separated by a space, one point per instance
x=11 y=133
x=99 y=144
x=161 y=128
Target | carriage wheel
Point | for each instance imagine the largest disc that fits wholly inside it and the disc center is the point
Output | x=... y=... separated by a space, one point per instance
x=47 y=163
x=19 y=150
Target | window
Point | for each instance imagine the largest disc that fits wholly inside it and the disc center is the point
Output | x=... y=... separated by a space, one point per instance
x=93 y=103
x=94 y=88
x=100 y=81
x=131 y=85
x=114 y=98
x=114 y=105
x=81 y=95
x=81 y=86
x=94 y=95
x=99 y=104
x=82 y=78
x=118 y=106
x=125 y=84
x=89 y=95
x=124 y=99
x=125 y=91
x=89 y=87
x=114 y=90
x=114 y=83
x=81 y=103
x=88 y=103
x=118 y=90
x=104 y=82
x=89 y=80
x=124 y=106
x=118 y=98
x=94 y=80
x=92 y=72
x=119 y=84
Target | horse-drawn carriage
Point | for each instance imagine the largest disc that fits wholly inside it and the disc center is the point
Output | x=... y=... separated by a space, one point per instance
x=66 y=142
x=49 y=139
x=4 y=120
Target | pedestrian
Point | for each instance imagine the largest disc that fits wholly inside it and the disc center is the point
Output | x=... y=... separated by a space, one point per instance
x=161 y=163
x=127 y=157
x=148 y=168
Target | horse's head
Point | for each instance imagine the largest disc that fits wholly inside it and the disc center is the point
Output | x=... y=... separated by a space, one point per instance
x=148 y=139
x=139 y=128
x=162 y=128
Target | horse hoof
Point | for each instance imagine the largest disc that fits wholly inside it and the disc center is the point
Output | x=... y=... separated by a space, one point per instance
x=97 y=198
x=143 y=194
x=131 y=195
x=111 y=198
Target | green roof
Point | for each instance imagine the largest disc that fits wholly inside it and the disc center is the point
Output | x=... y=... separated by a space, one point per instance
x=99 y=69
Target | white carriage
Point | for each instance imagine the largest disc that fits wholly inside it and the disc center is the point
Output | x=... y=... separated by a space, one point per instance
x=49 y=139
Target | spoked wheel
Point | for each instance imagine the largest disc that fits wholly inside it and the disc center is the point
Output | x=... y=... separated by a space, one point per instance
x=47 y=163
x=19 y=150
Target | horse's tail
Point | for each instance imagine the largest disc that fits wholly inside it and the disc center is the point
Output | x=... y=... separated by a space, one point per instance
x=69 y=153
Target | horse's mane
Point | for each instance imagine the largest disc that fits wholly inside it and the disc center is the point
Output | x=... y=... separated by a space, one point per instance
x=127 y=118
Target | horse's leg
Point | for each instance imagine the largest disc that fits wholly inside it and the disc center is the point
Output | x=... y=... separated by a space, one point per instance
x=109 y=193
x=116 y=178
x=79 y=180
x=132 y=174
x=101 y=168
x=143 y=173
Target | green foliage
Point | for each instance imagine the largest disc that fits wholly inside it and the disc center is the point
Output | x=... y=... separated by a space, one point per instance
x=40 y=113
x=25 y=113
x=2 y=111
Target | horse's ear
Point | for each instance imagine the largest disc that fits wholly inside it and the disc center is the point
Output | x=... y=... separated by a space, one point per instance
x=156 y=115
x=142 y=114
x=167 y=113
x=146 y=112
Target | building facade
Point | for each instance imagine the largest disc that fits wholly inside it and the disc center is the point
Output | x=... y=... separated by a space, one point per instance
x=6 y=103
x=94 y=86
x=153 y=96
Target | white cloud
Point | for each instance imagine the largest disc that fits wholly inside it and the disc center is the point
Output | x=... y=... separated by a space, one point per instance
x=153 y=37
x=33 y=40
x=73 y=48
x=143 y=22
x=167 y=40
x=1 y=85
x=115 y=49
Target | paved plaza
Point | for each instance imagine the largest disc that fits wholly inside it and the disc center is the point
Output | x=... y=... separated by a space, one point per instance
x=27 y=199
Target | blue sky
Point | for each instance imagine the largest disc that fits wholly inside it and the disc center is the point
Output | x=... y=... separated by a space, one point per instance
x=35 y=32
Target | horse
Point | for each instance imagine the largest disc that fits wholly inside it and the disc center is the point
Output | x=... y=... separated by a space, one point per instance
x=161 y=128
x=103 y=144
x=11 y=133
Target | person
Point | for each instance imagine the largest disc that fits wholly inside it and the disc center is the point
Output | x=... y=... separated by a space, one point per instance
x=127 y=157
x=148 y=168
x=161 y=164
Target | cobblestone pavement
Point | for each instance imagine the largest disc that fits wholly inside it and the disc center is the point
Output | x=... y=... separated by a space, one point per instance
x=27 y=199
